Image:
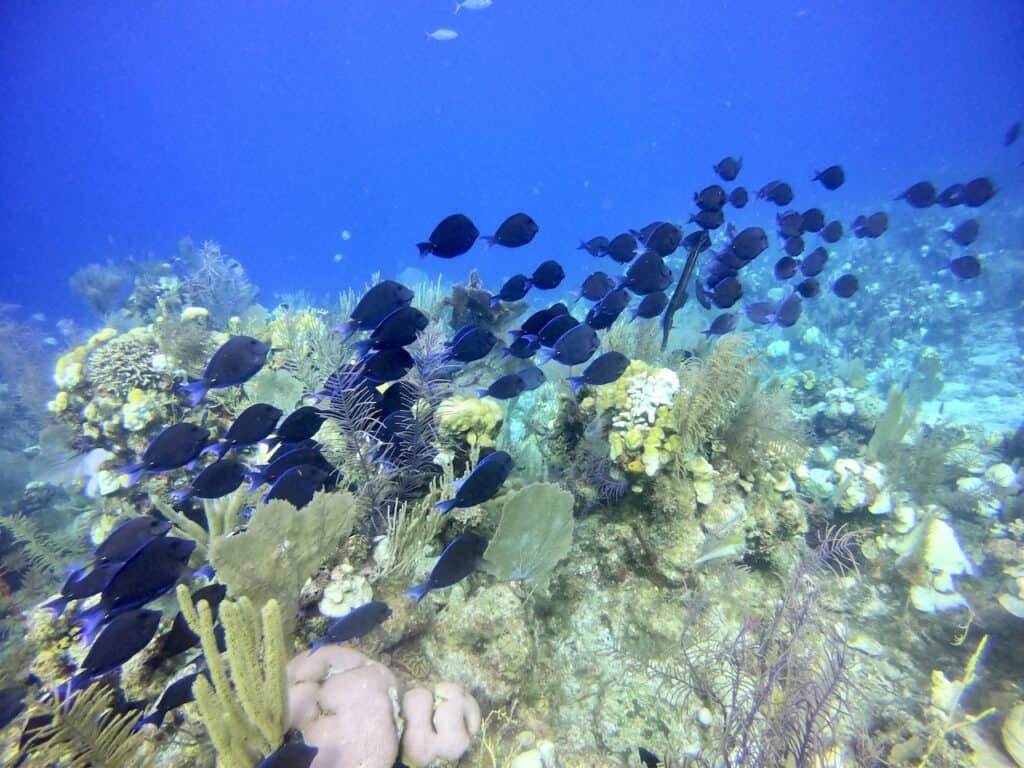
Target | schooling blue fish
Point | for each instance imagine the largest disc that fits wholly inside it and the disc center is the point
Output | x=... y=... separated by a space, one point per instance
x=575 y=346
x=253 y=424
x=214 y=482
x=482 y=484
x=603 y=370
x=457 y=561
x=235 y=362
x=292 y=755
x=125 y=635
x=80 y=585
x=398 y=329
x=297 y=485
x=470 y=343
x=129 y=537
x=173 y=447
x=504 y=387
x=355 y=624
x=515 y=288
x=376 y=304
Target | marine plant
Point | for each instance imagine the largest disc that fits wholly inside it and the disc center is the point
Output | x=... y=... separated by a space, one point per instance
x=411 y=529
x=244 y=702
x=87 y=730
x=215 y=281
x=534 y=534
x=893 y=425
x=100 y=287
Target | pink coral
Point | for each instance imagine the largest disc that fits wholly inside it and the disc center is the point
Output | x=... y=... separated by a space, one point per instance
x=439 y=725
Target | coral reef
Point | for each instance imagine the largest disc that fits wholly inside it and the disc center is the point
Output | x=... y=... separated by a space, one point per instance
x=534 y=534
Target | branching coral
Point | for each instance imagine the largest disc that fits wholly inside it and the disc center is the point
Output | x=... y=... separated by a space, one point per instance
x=124 y=363
x=217 y=282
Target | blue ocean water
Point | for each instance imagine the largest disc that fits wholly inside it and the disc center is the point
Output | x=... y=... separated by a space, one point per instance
x=273 y=128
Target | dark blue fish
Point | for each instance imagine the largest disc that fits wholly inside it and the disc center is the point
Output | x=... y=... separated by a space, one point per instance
x=648 y=274
x=711 y=198
x=739 y=197
x=180 y=637
x=452 y=237
x=832 y=232
x=791 y=223
x=504 y=387
x=812 y=220
x=978 y=191
x=80 y=585
x=400 y=396
x=605 y=312
x=664 y=238
x=749 y=243
x=458 y=560
x=595 y=246
x=540 y=318
x=471 y=343
x=726 y=292
x=652 y=305
x=150 y=573
x=12 y=702
x=871 y=226
x=173 y=447
x=123 y=637
x=785 y=268
x=129 y=537
x=214 y=482
x=1012 y=133
x=235 y=362
x=965 y=267
x=814 y=262
x=522 y=348
x=648 y=758
x=482 y=484
x=761 y=312
x=789 y=310
x=699 y=239
x=307 y=453
x=721 y=325
x=831 y=178
x=376 y=304
x=728 y=168
x=399 y=328
x=301 y=424
x=778 y=192
x=292 y=755
x=604 y=369
x=809 y=287
x=966 y=232
x=513 y=289
x=252 y=425
x=845 y=286
x=920 y=195
x=622 y=248
x=951 y=196
x=355 y=624
x=297 y=485
x=532 y=377
x=515 y=231
x=708 y=219
x=577 y=345
x=175 y=695
x=387 y=365
x=596 y=286
x=548 y=275
x=794 y=246
x=555 y=329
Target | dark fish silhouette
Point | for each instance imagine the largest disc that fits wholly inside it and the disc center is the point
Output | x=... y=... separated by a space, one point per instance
x=791 y=224
x=470 y=343
x=458 y=560
x=504 y=387
x=728 y=168
x=555 y=328
x=595 y=246
x=355 y=624
x=699 y=239
x=180 y=637
x=399 y=328
x=648 y=758
x=794 y=246
x=951 y=196
x=214 y=482
x=548 y=275
x=622 y=248
x=749 y=243
x=812 y=220
x=515 y=231
x=966 y=232
x=401 y=395
x=778 y=192
x=789 y=310
x=1011 y=134
x=452 y=237
x=761 y=312
x=12 y=702
x=978 y=191
x=524 y=347
x=845 y=286
x=575 y=346
x=831 y=178
x=175 y=695
x=808 y=287
x=739 y=197
x=832 y=232
x=387 y=365
x=605 y=312
x=376 y=304
x=513 y=289
x=297 y=485
x=726 y=292
x=814 y=262
x=965 y=267
x=871 y=226
x=532 y=377
x=540 y=318
x=129 y=537
x=785 y=268
x=235 y=362
x=604 y=369
x=482 y=484
x=301 y=424
x=173 y=447
x=711 y=198
x=647 y=274
x=122 y=638
x=708 y=219
x=664 y=239
x=652 y=305
x=253 y=424
x=80 y=585
x=920 y=195
x=596 y=286
x=721 y=325
x=292 y=755
x=295 y=456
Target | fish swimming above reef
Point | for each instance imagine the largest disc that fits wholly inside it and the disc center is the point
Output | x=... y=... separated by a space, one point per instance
x=297 y=485
x=515 y=231
x=622 y=248
x=833 y=232
x=504 y=387
x=377 y=303
x=812 y=220
x=532 y=377
x=739 y=197
x=548 y=275
x=966 y=232
x=175 y=695
x=711 y=198
x=595 y=246
x=253 y=424
x=129 y=537
x=652 y=305
x=831 y=178
x=458 y=560
x=647 y=274
x=808 y=288
x=978 y=191
x=215 y=481
x=606 y=311
x=604 y=369
x=171 y=448
x=443 y=35
x=575 y=346
x=471 y=343
x=294 y=456
x=235 y=362
x=355 y=624
x=513 y=289
x=125 y=635
x=301 y=424
x=455 y=234
x=778 y=192
x=482 y=484
x=399 y=328
x=81 y=584
x=789 y=310
x=648 y=758
x=845 y=286
x=596 y=286
x=721 y=325
x=966 y=267
x=294 y=754
x=785 y=268
x=814 y=262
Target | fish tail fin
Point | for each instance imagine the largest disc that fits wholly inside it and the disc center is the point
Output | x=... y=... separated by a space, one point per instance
x=575 y=382
x=490 y=240
x=90 y=621
x=495 y=301
x=196 y=391
x=425 y=248
x=418 y=592
x=481 y=392
x=361 y=347
x=134 y=472
x=180 y=495
x=545 y=356
x=56 y=605
x=457 y=7
x=445 y=506
x=218 y=449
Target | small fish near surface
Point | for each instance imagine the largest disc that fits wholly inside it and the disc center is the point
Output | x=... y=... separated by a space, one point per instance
x=456 y=233
x=482 y=484
x=515 y=231
x=443 y=35
x=253 y=424
x=173 y=447
x=355 y=624
x=235 y=362
x=605 y=369
x=711 y=198
x=458 y=560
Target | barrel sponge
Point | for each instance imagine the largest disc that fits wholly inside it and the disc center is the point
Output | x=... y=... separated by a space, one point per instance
x=439 y=724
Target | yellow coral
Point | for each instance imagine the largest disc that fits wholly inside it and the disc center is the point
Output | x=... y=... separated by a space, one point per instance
x=139 y=410
x=196 y=314
x=59 y=404
x=477 y=420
